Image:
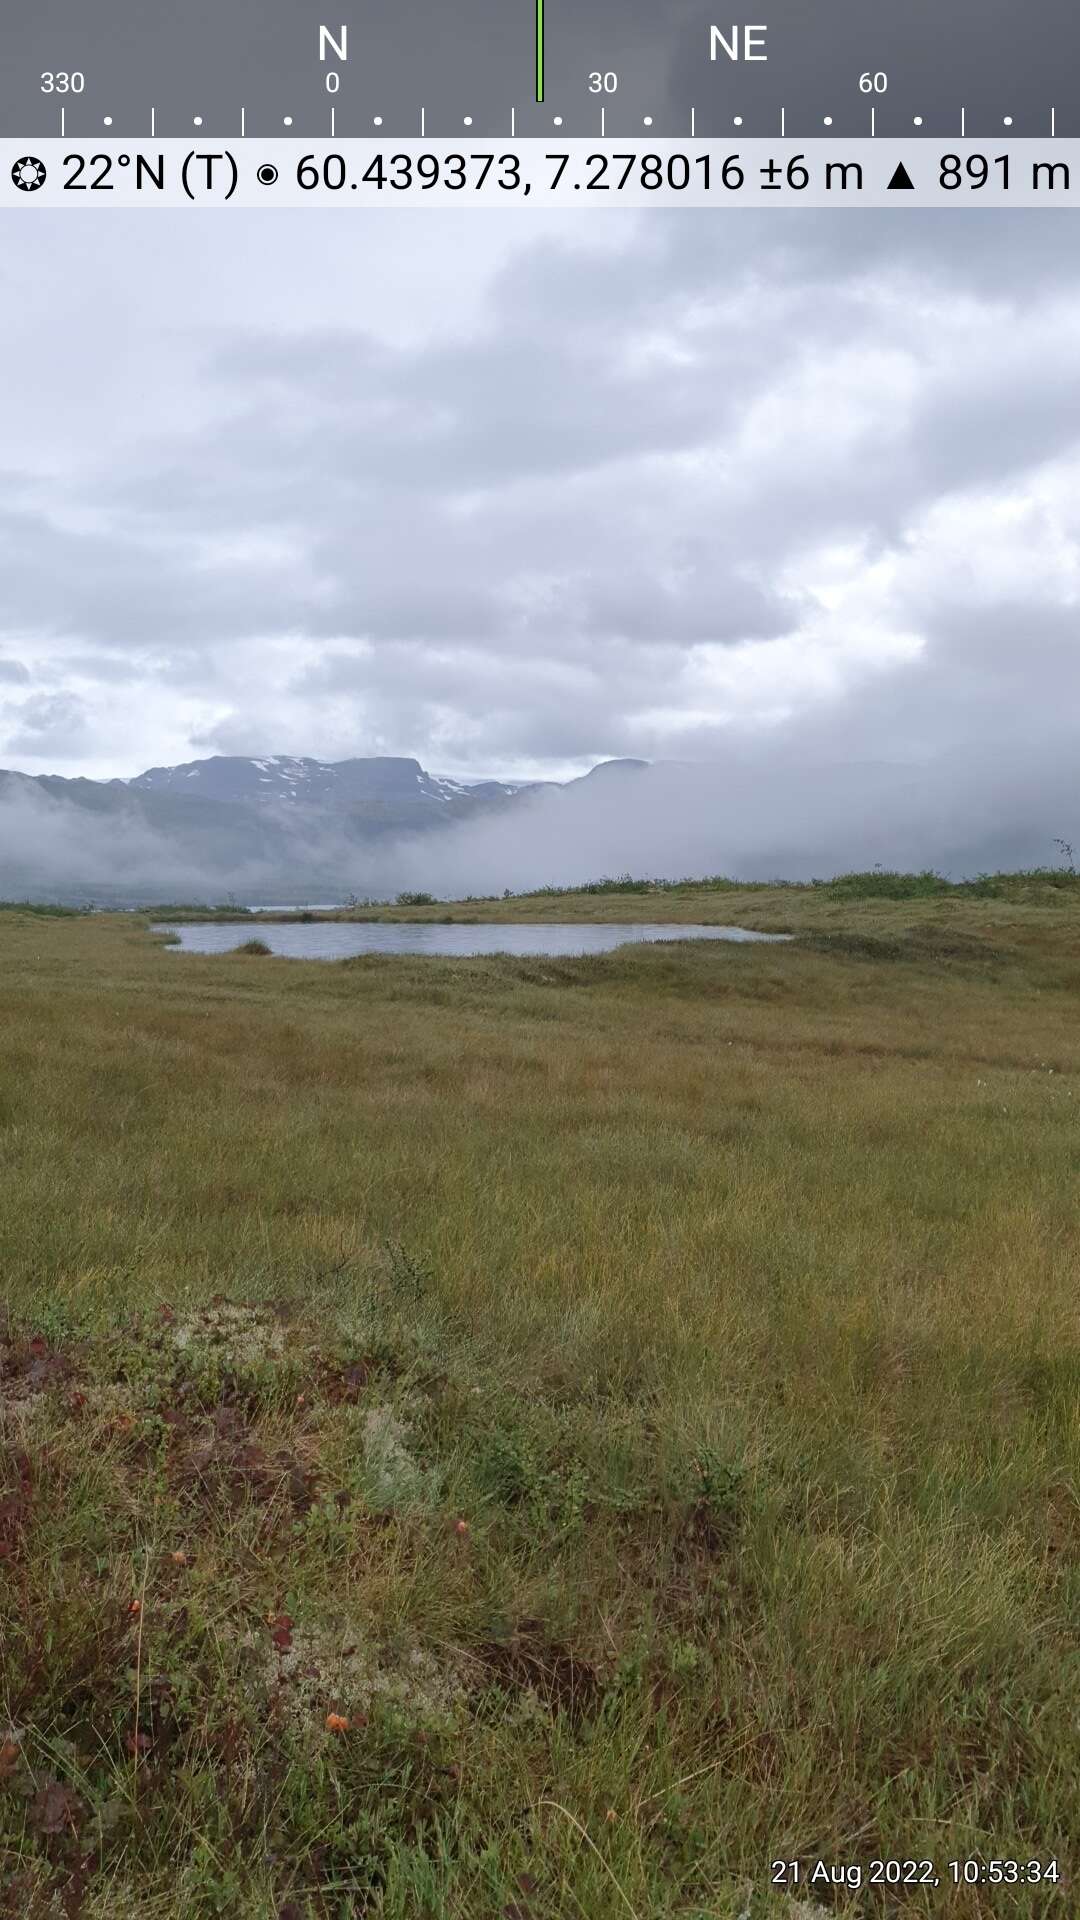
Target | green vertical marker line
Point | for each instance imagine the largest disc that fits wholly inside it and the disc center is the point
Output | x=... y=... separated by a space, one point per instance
x=539 y=49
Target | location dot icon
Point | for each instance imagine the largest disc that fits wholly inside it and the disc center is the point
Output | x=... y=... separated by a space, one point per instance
x=1007 y=120
x=107 y=122
x=827 y=122
x=197 y=122
x=917 y=122
x=287 y=122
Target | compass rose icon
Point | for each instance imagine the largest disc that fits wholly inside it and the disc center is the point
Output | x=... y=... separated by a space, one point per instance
x=28 y=173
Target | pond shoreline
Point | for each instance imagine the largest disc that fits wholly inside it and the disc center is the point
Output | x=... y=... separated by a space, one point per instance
x=338 y=940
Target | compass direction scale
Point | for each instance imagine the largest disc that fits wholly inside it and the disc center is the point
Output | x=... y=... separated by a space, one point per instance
x=842 y=84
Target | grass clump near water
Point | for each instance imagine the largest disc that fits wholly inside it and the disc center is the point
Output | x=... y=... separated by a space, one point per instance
x=877 y=883
x=514 y=1437
x=45 y=910
x=164 y=910
x=711 y=899
x=882 y=884
x=626 y=883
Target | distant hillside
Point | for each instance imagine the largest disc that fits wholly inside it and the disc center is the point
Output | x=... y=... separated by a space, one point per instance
x=255 y=817
x=371 y=795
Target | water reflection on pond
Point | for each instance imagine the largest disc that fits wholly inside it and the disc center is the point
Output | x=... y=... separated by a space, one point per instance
x=339 y=940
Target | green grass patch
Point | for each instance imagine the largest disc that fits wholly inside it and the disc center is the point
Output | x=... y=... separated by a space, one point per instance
x=525 y=1437
x=42 y=909
x=712 y=898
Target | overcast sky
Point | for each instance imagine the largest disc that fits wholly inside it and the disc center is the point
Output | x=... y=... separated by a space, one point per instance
x=778 y=491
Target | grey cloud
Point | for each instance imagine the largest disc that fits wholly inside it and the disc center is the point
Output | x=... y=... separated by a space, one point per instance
x=48 y=723
x=668 y=492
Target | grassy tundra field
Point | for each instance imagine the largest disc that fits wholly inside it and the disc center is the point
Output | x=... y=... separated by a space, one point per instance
x=544 y=1438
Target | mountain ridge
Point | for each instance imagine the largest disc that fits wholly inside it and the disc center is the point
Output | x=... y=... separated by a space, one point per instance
x=288 y=821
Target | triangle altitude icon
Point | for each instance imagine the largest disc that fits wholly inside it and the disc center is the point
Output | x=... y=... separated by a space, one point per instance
x=901 y=178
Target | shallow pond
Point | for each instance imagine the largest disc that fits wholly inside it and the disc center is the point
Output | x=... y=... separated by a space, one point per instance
x=338 y=940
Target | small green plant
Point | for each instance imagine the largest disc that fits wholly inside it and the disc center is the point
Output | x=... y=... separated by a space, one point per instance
x=407 y=1278
x=512 y=1469
x=252 y=946
x=415 y=899
x=685 y=1659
